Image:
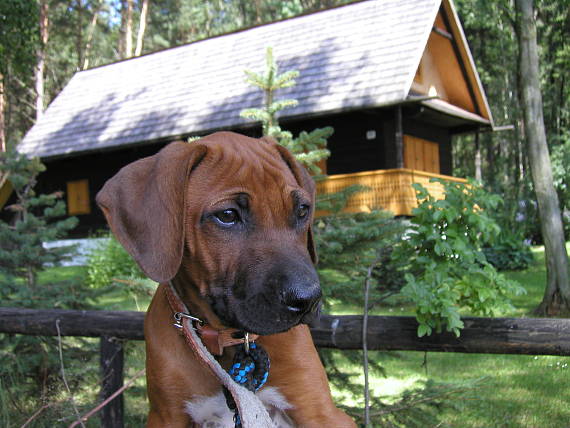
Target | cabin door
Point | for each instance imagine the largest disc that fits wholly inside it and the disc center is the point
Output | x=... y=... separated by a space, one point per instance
x=422 y=155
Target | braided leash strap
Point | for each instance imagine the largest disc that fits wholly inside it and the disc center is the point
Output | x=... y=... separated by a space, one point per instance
x=251 y=410
x=249 y=369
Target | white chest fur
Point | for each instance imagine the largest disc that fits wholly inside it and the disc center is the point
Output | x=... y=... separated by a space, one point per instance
x=212 y=412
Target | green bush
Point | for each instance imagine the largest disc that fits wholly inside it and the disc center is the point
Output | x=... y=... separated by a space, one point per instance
x=348 y=244
x=509 y=252
x=109 y=261
x=445 y=243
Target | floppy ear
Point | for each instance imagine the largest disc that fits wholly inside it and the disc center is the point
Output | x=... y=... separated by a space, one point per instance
x=306 y=182
x=144 y=204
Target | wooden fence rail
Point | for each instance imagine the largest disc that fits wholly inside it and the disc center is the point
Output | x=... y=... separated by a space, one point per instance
x=528 y=336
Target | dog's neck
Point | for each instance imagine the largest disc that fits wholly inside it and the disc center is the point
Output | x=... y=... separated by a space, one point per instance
x=187 y=303
x=196 y=303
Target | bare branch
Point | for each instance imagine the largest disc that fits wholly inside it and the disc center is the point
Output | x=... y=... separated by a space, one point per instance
x=63 y=374
x=365 y=341
x=109 y=399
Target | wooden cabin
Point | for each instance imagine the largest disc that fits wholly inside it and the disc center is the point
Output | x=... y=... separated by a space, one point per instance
x=394 y=78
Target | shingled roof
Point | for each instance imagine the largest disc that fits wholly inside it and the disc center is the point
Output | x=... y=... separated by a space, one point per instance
x=359 y=55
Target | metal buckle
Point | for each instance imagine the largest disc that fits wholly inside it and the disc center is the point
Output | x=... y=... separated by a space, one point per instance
x=178 y=319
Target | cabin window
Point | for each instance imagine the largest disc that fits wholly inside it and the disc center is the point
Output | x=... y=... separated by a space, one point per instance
x=421 y=154
x=78 y=197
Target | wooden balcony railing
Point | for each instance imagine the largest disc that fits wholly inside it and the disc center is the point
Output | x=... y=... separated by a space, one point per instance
x=389 y=189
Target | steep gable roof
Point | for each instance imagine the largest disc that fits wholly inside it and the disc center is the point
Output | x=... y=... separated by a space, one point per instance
x=360 y=55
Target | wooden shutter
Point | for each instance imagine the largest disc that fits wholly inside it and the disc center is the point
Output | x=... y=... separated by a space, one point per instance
x=78 y=197
x=421 y=155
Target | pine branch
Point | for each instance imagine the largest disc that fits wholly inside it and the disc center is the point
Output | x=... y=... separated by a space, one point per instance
x=285 y=80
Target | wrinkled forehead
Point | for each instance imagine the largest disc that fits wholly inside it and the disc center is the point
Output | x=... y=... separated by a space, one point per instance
x=248 y=163
x=255 y=168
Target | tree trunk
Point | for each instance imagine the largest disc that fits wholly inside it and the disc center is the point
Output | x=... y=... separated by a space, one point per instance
x=126 y=36
x=491 y=170
x=129 y=29
x=91 y=31
x=3 y=147
x=556 y=298
x=478 y=161
x=79 y=34
x=142 y=27
x=41 y=57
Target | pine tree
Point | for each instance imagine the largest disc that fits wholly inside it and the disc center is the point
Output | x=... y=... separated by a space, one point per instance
x=34 y=219
x=22 y=254
x=309 y=147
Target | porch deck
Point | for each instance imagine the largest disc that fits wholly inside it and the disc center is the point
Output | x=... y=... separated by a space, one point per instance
x=389 y=189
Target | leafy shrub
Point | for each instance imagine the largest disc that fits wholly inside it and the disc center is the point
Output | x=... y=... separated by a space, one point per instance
x=509 y=252
x=109 y=260
x=445 y=243
x=347 y=245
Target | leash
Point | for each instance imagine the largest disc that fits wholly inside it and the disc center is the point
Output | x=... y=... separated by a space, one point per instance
x=249 y=370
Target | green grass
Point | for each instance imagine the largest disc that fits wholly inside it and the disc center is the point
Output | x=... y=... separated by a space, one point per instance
x=512 y=390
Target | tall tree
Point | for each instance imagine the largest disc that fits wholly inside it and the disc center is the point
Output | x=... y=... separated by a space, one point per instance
x=3 y=146
x=142 y=27
x=556 y=298
x=40 y=67
x=126 y=36
x=18 y=37
x=84 y=62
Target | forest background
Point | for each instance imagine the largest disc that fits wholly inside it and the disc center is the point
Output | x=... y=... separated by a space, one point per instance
x=44 y=42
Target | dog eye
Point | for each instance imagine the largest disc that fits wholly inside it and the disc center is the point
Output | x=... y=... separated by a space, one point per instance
x=227 y=217
x=303 y=211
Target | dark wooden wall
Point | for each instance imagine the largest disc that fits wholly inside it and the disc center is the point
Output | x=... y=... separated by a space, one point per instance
x=351 y=151
x=97 y=168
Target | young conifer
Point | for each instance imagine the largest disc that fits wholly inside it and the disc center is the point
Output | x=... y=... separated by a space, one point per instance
x=35 y=219
x=308 y=147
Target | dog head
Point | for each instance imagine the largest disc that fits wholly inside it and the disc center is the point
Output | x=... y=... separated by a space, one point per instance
x=232 y=212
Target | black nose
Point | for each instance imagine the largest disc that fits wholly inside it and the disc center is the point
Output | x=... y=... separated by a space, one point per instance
x=302 y=298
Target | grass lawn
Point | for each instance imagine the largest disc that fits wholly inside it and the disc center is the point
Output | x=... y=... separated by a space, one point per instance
x=512 y=390
x=508 y=391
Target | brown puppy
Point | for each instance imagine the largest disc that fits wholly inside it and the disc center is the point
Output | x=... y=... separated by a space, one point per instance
x=227 y=219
